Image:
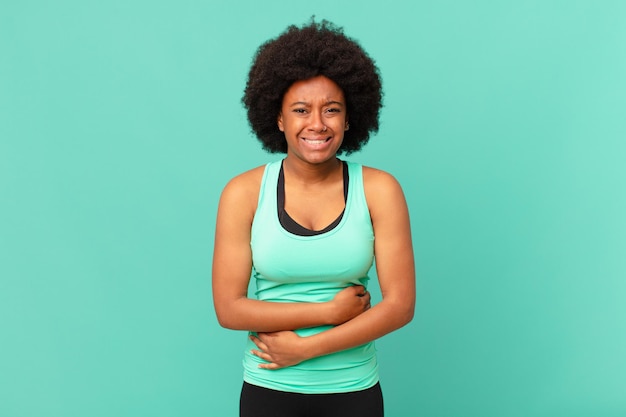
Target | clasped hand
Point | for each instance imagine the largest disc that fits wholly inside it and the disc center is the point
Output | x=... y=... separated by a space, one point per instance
x=285 y=348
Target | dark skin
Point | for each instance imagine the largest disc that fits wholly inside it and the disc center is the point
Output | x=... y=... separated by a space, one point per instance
x=313 y=118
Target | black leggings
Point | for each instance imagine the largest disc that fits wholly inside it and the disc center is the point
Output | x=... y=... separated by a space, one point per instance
x=264 y=402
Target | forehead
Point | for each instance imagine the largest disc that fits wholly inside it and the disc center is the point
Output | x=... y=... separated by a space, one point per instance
x=318 y=88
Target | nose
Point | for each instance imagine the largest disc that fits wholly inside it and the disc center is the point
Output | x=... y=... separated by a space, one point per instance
x=317 y=122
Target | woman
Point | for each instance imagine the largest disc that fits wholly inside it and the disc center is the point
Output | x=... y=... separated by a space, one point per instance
x=308 y=228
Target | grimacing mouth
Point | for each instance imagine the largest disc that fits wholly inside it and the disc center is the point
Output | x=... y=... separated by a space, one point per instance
x=317 y=140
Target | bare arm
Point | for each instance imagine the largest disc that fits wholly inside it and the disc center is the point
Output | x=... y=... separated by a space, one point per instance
x=232 y=264
x=396 y=274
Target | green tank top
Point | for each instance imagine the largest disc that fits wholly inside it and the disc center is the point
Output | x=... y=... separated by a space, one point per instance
x=312 y=269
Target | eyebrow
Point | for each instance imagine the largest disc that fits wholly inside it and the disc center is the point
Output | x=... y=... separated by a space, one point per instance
x=328 y=103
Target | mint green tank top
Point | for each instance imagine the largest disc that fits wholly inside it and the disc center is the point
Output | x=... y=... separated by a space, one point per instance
x=311 y=269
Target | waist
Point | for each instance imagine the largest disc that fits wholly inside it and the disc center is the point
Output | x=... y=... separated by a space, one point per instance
x=348 y=370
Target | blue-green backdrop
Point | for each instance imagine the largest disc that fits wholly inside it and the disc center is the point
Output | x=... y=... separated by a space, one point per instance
x=120 y=122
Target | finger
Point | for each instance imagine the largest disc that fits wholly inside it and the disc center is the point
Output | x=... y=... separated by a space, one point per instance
x=362 y=292
x=267 y=358
x=258 y=342
x=265 y=336
x=358 y=289
x=262 y=355
x=270 y=366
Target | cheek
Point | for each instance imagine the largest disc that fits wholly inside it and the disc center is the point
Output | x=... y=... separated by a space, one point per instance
x=292 y=125
x=338 y=123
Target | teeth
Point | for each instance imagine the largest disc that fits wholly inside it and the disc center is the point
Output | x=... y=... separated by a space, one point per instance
x=315 y=142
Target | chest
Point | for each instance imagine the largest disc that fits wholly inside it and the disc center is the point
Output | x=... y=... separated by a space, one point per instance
x=314 y=209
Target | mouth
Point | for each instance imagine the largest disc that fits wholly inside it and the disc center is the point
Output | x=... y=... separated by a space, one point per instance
x=316 y=141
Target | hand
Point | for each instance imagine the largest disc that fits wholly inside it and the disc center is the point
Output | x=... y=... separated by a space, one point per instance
x=349 y=303
x=280 y=349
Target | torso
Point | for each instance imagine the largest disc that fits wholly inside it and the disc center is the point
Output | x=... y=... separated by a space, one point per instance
x=290 y=267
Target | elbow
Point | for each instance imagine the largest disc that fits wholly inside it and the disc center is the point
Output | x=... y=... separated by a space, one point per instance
x=410 y=313
x=227 y=319
x=405 y=315
x=404 y=311
x=228 y=323
x=229 y=313
x=224 y=322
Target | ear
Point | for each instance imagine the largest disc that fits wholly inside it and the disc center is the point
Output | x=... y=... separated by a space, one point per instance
x=280 y=122
x=347 y=127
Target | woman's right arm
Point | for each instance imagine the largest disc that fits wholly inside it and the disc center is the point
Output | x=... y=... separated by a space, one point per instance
x=232 y=265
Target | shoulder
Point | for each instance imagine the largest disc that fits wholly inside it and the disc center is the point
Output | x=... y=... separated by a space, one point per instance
x=242 y=192
x=376 y=181
x=382 y=191
x=249 y=181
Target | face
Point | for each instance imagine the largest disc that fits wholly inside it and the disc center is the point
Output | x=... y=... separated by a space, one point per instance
x=313 y=118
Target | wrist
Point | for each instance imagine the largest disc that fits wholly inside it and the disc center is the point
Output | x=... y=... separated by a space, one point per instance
x=307 y=347
x=329 y=314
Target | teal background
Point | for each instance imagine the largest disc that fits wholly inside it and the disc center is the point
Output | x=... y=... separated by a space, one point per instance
x=121 y=121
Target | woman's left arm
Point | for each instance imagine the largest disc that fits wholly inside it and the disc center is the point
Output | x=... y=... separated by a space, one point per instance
x=396 y=275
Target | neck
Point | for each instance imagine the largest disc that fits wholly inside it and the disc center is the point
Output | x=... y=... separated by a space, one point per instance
x=311 y=173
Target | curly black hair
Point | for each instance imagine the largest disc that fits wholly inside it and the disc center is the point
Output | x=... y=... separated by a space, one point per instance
x=303 y=53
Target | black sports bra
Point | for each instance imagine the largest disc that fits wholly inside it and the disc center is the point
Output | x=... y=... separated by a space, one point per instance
x=290 y=224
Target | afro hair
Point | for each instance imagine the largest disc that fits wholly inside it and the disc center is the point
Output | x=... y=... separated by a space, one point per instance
x=303 y=53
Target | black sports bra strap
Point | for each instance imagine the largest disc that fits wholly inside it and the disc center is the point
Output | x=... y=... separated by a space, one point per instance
x=290 y=224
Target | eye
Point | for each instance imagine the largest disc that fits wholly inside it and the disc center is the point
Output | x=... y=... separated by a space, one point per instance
x=333 y=110
x=299 y=111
